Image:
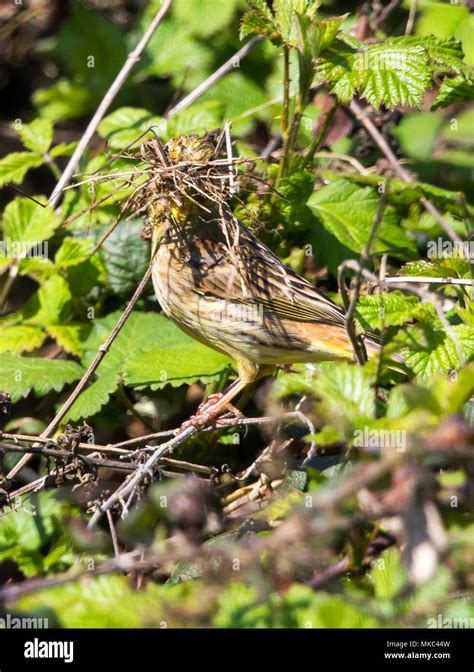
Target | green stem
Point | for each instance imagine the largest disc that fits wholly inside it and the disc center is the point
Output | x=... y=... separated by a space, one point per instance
x=285 y=115
x=286 y=92
x=52 y=166
x=319 y=137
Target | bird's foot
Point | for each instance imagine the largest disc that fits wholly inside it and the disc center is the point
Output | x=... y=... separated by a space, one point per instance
x=208 y=412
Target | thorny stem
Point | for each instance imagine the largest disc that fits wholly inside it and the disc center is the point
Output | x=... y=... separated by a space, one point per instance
x=286 y=93
x=143 y=471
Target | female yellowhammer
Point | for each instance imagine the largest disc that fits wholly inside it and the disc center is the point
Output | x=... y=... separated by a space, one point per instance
x=219 y=283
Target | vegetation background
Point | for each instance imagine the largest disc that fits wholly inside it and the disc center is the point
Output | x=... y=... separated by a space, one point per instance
x=364 y=534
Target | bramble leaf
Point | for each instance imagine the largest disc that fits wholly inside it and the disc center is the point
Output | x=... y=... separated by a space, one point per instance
x=37 y=136
x=348 y=212
x=14 y=166
x=21 y=375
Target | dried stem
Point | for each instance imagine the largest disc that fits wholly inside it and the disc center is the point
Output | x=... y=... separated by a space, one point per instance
x=363 y=118
x=351 y=306
x=133 y=58
x=210 y=81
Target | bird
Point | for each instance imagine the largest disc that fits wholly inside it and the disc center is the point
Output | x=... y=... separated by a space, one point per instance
x=220 y=284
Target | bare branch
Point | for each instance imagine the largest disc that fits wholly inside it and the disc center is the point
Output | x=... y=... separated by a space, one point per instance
x=351 y=306
x=210 y=81
x=133 y=58
x=361 y=115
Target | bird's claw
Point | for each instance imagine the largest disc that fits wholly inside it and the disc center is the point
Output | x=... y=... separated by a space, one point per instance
x=206 y=416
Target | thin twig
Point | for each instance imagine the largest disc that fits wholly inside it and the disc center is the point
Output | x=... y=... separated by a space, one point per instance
x=228 y=143
x=113 y=534
x=343 y=157
x=143 y=471
x=426 y=280
x=133 y=58
x=411 y=17
x=351 y=308
x=210 y=81
x=364 y=119
x=387 y=10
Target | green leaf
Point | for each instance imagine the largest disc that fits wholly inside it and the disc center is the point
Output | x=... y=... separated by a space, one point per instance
x=450 y=267
x=175 y=360
x=204 y=17
x=127 y=124
x=403 y=83
x=51 y=303
x=150 y=351
x=20 y=375
x=345 y=390
x=27 y=224
x=63 y=149
x=238 y=94
x=440 y=19
x=285 y=19
x=445 y=55
x=430 y=350
x=63 y=100
x=20 y=338
x=26 y=531
x=73 y=251
x=189 y=63
x=388 y=575
x=298 y=607
x=37 y=135
x=199 y=119
x=14 y=166
x=348 y=212
x=390 y=309
x=259 y=20
x=125 y=256
x=95 y=396
x=418 y=134
x=110 y=601
x=391 y=74
x=456 y=90
x=92 y=48
x=400 y=192
x=39 y=268
x=69 y=336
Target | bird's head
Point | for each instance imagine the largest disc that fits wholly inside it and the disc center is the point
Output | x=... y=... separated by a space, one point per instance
x=189 y=148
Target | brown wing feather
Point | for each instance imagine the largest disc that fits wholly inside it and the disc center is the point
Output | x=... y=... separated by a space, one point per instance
x=259 y=277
